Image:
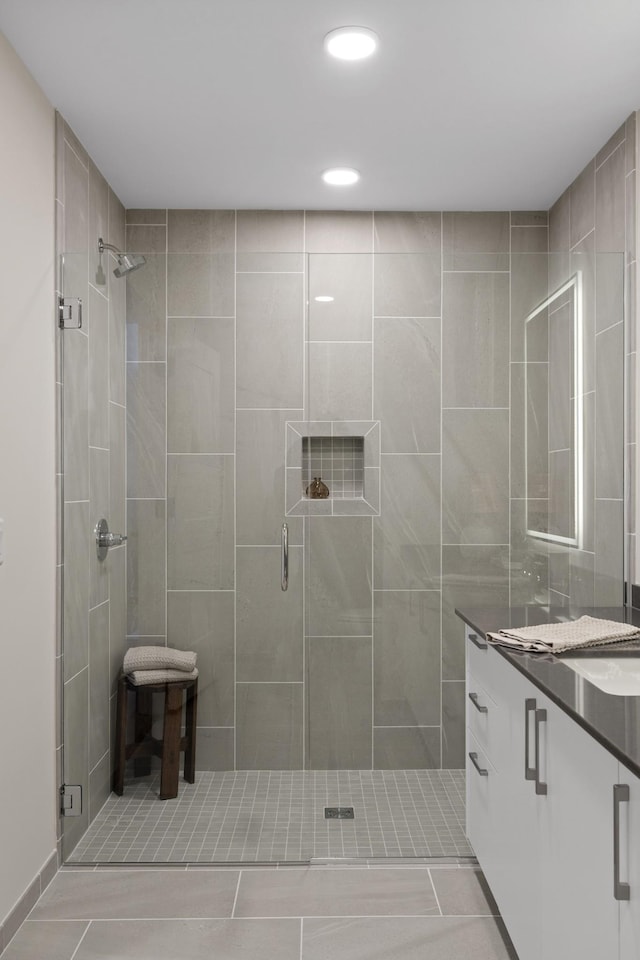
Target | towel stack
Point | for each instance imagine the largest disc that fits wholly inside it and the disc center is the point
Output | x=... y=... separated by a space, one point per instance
x=559 y=637
x=145 y=665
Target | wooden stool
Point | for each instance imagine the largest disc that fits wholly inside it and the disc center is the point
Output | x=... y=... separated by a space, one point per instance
x=145 y=746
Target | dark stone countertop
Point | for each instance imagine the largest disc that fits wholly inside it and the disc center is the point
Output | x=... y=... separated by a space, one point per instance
x=612 y=720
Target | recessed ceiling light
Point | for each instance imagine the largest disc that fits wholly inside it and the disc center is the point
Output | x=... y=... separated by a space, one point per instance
x=324 y=299
x=341 y=176
x=351 y=43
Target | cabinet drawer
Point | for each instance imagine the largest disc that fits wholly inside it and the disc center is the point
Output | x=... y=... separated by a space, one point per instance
x=485 y=720
x=480 y=803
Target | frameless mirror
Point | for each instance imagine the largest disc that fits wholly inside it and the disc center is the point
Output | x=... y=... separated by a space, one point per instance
x=553 y=421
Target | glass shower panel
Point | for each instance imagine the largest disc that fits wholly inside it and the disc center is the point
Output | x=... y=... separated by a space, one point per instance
x=93 y=591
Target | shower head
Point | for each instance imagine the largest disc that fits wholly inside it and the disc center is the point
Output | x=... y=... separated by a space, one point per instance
x=127 y=262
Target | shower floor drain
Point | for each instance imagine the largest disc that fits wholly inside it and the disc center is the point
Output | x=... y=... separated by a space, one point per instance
x=338 y=813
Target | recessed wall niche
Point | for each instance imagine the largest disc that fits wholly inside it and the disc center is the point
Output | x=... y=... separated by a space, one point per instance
x=345 y=455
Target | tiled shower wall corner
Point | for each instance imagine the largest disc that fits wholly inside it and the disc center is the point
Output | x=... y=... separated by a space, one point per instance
x=90 y=378
x=360 y=663
x=594 y=216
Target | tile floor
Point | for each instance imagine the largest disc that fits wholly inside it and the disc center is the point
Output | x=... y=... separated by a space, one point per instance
x=286 y=913
x=272 y=817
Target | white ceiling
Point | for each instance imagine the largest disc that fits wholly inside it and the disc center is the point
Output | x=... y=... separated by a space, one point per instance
x=469 y=104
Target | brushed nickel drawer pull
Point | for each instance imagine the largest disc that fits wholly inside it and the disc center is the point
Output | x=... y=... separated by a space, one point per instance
x=474 y=760
x=474 y=700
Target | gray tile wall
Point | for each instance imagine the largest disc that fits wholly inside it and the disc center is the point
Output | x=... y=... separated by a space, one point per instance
x=594 y=217
x=91 y=473
x=319 y=676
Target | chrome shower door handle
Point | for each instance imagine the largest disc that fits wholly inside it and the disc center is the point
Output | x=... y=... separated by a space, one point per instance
x=621 y=891
x=284 y=580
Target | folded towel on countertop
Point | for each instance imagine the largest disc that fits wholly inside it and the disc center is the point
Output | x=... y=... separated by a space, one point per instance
x=571 y=635
x=142 y=677
x=159 y=658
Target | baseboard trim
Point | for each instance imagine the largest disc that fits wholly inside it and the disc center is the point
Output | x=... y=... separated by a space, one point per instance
x=16 y=917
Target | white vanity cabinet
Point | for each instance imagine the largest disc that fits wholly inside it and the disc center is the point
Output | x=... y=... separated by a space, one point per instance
x=544 y=831
x=629 y=871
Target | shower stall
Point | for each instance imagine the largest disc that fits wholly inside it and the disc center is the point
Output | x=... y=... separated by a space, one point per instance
x=255 y=359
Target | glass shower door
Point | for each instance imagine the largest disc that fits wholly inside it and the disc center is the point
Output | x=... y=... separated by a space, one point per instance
x=93 y=488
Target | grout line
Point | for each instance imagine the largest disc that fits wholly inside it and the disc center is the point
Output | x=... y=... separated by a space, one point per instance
x=433 y=887
x=73 y=955
x=235 y=899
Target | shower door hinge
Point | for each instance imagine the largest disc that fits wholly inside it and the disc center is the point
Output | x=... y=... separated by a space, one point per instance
x=70 y=800
x=70 y=313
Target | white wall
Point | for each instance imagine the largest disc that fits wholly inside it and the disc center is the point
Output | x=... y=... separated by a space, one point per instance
x=27 y=480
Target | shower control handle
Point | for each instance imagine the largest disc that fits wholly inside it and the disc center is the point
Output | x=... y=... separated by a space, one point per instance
x=105 y=539
x=284 y=571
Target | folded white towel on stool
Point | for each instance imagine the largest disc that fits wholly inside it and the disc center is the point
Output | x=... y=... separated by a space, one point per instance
x=570 y=635
x=159 y=658
x=142 y=677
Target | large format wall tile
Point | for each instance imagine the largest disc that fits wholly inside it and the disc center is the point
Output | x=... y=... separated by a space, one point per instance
x=475 y=476
x=260 y=477
x=99 y=569
x=76 y=415
x=200 y=385
x=98 y=222
x=201 y=231
x=407 y=532
x=582 y=200
x=146 y=425
x=609 y=551
x=346 y=277
x=399 y=232
x=339 y=679
x=147 y=310
x=609 y=413
x=76 y=748
x=269 y=340
x=338 y=231
x=146 y=574
x=338 y=576
x=529 y=287
x=472 y=576
x=270 y=629
x=200 y=512
x=269 y=726
x=453 y=723
x=269 y=240
x=117 y=613
x=610 y=202
x=98 y=369
x=475 y=241
x=77 y=543
x=200 y=284
x=117 y=472
x=406 y=748
x=406 y=658
x=407 y=285
x=76 y=202
x=475 y=340
x=406 y=382
x=117 y=339
x=340 y=381
x=215 y=748
x=99 y=693
x=203 y=621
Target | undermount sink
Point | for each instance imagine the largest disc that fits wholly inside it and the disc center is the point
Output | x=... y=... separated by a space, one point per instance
x=619 y=676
